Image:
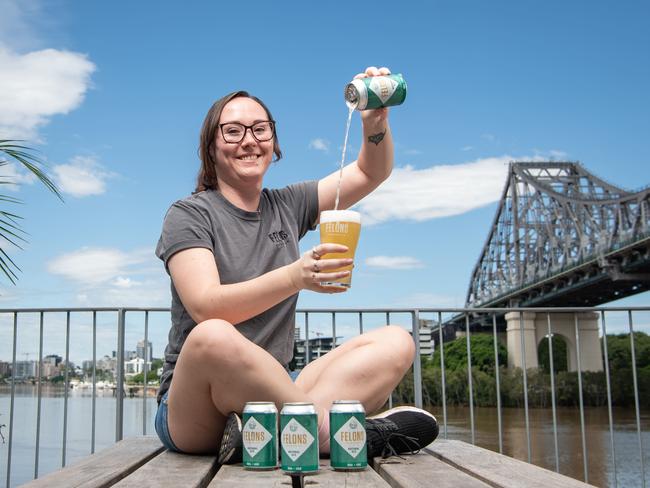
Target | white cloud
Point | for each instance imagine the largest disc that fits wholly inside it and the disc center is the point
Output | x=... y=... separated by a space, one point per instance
x=8 y=295
x=393 y=262
x=14 y=176
x=438 y=191
x=38 y=85
x=94 y=265
x=112 y=277
x=412 y=152
x=319 y=145
x=90 y=265
x=121 y=282
x=467 y=148
x=82 y=177
x=149 y=293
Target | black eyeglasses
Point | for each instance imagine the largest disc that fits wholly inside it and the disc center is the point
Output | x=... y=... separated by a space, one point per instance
x=234 y=132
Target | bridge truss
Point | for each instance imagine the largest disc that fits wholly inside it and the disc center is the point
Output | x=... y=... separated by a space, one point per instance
x=563 y=237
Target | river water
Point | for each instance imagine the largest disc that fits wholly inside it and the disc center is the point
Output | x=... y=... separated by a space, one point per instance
x=599 y=454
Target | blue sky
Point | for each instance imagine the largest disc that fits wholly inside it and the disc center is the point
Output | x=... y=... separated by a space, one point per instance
x=113 y=95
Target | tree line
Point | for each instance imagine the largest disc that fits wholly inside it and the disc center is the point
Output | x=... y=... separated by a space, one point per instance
x=594 y=386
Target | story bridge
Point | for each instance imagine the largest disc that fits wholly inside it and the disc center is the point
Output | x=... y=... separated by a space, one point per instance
x=561 y=237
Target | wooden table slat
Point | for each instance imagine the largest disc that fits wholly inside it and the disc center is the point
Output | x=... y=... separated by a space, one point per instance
x=234 y=476
x=423 y=471
x=498 y=470
x=171 y=470
x=138 y=462
x=105 y=467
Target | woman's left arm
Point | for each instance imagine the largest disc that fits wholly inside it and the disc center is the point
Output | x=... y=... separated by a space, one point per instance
x=374 y=164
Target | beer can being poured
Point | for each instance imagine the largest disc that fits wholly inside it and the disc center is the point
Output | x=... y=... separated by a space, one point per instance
x=375 y=92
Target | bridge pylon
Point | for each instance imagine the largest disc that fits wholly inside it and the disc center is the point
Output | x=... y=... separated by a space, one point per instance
x=535 y=328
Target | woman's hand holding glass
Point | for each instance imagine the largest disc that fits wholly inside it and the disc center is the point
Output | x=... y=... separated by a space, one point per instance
x=311 y=269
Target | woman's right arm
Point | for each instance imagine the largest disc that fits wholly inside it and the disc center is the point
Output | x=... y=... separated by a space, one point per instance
x=196 y=278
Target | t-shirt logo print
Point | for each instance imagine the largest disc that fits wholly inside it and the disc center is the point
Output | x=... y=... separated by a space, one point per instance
x=279 y=238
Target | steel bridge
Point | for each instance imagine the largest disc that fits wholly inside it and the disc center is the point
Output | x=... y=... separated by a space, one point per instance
x=563 y=237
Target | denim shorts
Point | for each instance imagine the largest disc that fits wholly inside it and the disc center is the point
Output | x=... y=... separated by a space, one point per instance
x=162 y=426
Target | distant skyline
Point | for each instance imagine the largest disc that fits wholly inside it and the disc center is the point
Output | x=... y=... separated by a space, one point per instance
x=113 y=95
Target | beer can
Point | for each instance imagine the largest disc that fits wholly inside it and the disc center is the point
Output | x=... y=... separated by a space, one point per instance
x=299 y=437
x=375 y=92
x=259 y=436
x=348 y=436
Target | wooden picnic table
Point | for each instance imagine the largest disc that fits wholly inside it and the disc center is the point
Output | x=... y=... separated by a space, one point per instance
x=143 y=462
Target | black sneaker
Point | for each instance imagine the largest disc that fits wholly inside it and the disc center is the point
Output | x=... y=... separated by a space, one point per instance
x=230 y=451
x=400 y=430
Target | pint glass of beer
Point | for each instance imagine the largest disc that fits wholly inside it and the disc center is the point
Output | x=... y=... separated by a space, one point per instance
x=340 y=227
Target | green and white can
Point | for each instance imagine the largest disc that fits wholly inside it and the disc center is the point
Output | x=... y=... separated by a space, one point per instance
x=299 y=437
x=375 y=92
x=259 y=436
x=348 y=436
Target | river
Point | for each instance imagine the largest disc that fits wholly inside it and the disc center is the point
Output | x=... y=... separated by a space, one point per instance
x=597 y=435
x=599 y=455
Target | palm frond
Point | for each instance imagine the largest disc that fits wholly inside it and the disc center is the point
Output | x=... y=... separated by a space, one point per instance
x=6 y=267
x=5 y=233
x=24 y=155
x=10 y=229
x=7 y=198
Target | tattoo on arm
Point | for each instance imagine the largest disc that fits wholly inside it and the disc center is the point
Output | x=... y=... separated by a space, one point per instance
x=377 y=138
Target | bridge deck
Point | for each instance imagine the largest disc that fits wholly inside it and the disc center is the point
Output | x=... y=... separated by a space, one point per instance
x=142 y=462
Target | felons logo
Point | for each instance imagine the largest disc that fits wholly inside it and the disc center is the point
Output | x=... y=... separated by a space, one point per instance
x=383 y=88
x=252 y=424
x=353 y=424
x=293 y=427
x=279 y=238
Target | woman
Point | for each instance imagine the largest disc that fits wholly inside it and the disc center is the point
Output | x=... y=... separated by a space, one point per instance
x=231 y=250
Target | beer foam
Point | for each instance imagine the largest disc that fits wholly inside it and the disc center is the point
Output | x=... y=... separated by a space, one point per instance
x=340 y=216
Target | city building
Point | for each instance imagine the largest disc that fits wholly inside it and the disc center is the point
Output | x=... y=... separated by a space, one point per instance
x=107 y=364
x=317 y=347
x=50 y=370
x=51 y=366
x=425 y=332
x=135 y=366
x=426 y=342
x=25 y=369
x=5 y=368
x=140 y=352
x=321 y=344
x=128 y=355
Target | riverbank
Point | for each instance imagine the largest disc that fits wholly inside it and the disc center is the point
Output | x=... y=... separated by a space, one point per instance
x=82 y=389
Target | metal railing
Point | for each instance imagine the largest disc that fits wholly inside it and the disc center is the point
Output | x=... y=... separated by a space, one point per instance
x=386 y=315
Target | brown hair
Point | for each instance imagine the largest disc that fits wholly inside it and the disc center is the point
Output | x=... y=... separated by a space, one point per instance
x=207 y=178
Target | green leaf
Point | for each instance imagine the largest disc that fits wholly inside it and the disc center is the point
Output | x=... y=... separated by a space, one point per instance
x=9 y=222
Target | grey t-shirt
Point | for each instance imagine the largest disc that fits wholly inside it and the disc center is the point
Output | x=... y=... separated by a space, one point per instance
x=245 y=245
